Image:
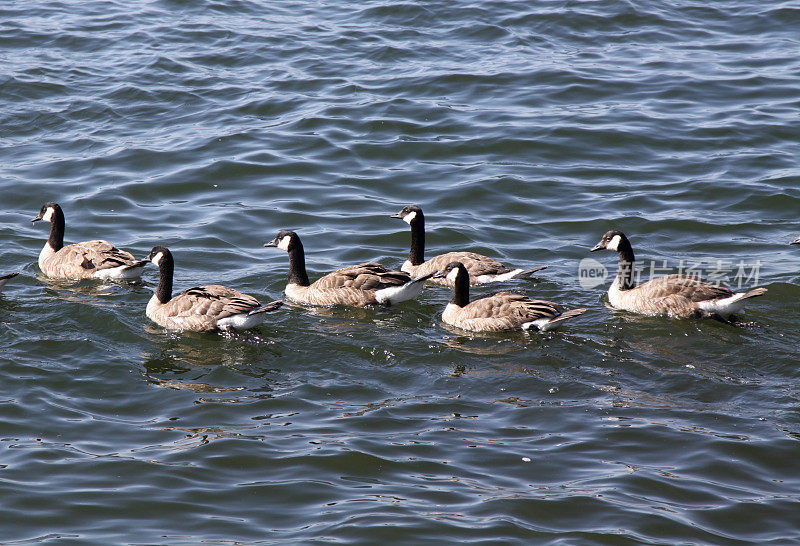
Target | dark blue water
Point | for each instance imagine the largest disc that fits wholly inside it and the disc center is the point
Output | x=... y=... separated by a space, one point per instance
x=525 y=130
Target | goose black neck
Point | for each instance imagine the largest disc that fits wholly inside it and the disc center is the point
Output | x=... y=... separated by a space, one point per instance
x=165 y=270
x=297 y=264
x=416 y=256
x=56 y=240
x=625 y=273
x=461 y=290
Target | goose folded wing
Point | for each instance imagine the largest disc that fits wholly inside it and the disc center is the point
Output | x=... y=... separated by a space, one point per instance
x=213 y=301
x=674 y=305
x=536 y=309
x=504 y=311
x=686 y=286
x=478 y=264
x=368 y=276
x=475 y=264
x=95 y=255
x=509 y=304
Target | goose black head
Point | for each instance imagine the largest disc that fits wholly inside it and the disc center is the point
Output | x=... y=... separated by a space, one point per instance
x=47 y=212
x=452 y=272
x=159 y=254
x=409 y=213
x=611 y=240
x=285 y=240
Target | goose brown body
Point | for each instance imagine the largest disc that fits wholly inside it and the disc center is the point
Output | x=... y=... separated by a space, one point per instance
x=501 y=311
x=202 y=308
x=678 y=296
x=87 y=259
x=482 y=269
x=356 y=285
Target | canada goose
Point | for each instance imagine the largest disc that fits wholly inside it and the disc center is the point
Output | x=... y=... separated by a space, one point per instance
x=203 y=308
x=499 y=312
x=4 y=278
x=89 y=259
x=357 y=285
x=795 y=242
x=677 y=296
x=482 y=269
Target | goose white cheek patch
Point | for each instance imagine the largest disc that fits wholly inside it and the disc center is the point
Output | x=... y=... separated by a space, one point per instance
x=452 y=275
x=157 y=258
x=613 y=244
x=48 y=215
x=408 y=218
x=284 y=244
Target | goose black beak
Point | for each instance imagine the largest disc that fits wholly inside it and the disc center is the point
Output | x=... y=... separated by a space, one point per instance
x=439 y=275
x=396 y=215
x=273 y=242
x=598 y=246
x=36 y=219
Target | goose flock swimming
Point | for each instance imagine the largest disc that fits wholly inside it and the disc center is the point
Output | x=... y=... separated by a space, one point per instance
x=218 y=308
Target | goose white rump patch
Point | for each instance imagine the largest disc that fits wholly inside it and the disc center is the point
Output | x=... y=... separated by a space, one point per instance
x=544 y=324
x=242 y=321
x=396 y=294
x=499 y=278
x=725 y=306
x=121 y=272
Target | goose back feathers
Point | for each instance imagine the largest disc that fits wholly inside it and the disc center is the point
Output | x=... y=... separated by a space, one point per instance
x=202 y=308
x=482 y=269
x=89 y=259
x=500 y=312
x=679 y=296
x=357 y=285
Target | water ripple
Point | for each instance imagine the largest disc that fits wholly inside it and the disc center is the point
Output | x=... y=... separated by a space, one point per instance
x=525 y=132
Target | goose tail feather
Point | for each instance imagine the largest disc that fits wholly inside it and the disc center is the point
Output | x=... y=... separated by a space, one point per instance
x=724 y=307
x=545 y=325
x=529 y=272
x=754 y=292
x=422 y=278
x=266 y=308
x=5 y=278
x=136 y=265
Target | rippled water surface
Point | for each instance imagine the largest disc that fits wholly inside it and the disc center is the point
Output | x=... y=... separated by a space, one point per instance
x=525 y=130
